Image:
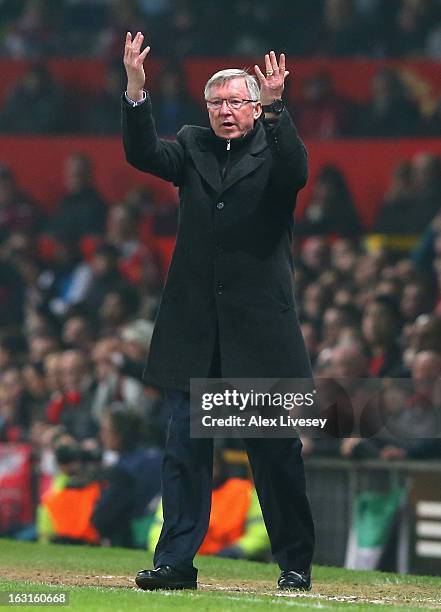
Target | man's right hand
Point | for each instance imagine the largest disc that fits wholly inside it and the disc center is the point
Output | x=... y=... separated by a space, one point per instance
x=133 y=62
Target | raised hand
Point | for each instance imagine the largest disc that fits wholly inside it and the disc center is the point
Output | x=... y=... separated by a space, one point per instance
x=134 y=65
x=272 y=82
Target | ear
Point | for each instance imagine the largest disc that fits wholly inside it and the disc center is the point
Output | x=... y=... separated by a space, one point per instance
x=257 y=110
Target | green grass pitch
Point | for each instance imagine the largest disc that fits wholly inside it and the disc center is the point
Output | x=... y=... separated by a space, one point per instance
x=102 y=579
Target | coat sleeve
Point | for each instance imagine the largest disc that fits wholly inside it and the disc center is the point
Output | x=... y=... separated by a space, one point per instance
x=144 y=150
x=289 y=171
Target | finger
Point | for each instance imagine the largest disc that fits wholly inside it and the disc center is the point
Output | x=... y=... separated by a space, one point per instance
x=259 y=73
x=274 y=65
x=286 y=74
x=127 y=46
x=144 y=54
x=282 y=63
x=138 y=42
x=268 y=67
x=135 y=42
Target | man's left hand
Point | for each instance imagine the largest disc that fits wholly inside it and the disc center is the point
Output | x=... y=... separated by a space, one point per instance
x=272 y=83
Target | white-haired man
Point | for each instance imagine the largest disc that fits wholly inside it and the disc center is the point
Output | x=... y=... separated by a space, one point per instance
x=228 y=305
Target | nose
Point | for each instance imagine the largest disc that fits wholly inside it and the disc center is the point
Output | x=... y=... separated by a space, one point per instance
x=225 y=109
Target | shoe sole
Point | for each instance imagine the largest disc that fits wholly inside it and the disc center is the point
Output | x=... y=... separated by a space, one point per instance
x=293 y=588
x=156 y=586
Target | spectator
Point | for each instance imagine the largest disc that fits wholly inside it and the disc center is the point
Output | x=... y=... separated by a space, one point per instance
x=78 y=332
x=252 y=31
x=381 y=326
x=398 y=212
x=344 y=253
x=412 y=23
x=65 y=511
x=121 y=514
x=14 y=407
x=33 y=34
x=330 y=209
x=112 y=385
x=105 y=277
x=173 y=105
x=390 y=113
x=103 y=114
x=13 y=350
x=417 y=298
x=314 y=255
x=67 y=279
x=35 y=90
x=135 y=345
x=409 y=421
x=340 y=33
x=186 y=35
x=83 y=25
x=82 y=210
x=36 y=390
x=123 y=232
x=41 y=345
x=17 y=210
x=349 y=362
x=426 y=178
x=431 y=127
x=315 y=299
x=72 y=408
x=134 y=348
x=433 y=47
x=335 y=319
x=321 y=112
x=426 y=335
x=118 y=307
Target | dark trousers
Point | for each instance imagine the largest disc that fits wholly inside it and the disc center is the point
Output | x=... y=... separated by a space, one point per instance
x=279 y=478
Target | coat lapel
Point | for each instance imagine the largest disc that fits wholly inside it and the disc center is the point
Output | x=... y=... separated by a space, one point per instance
x=245 y=166
x=208 y=167
x=250 y=161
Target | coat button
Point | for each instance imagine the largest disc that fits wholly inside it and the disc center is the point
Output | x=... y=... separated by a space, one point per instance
x=220 y=287
x=219 y=249
x=220 y=205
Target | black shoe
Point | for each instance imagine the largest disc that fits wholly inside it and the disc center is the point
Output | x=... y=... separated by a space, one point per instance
x=165 y=577
x=298 y=581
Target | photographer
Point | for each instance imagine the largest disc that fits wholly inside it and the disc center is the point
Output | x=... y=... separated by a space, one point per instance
x=64 y=514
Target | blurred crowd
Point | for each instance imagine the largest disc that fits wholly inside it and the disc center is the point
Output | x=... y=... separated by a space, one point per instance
x=398 y=105
x=80 y=290
x=177 y=28
x=394 y=108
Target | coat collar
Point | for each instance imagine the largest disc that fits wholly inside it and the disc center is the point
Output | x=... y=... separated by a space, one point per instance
x=202 y=150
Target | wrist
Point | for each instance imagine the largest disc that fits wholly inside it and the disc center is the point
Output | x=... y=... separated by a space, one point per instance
x=135 y=94
x=276 y=106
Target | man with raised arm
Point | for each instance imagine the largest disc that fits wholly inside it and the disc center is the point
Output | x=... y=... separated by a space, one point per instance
x=228 y=305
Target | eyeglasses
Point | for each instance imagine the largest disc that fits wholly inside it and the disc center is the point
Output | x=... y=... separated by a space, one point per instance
x=234 y=103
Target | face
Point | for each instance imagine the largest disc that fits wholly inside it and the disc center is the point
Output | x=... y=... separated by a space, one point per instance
x=101 y=356
x=377 y=324
x=231 y=123
x=75 y=331
x=73 y=369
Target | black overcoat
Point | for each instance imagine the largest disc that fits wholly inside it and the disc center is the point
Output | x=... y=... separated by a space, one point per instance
x=231 y=271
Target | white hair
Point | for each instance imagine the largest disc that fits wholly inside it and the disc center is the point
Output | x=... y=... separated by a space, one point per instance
x=221 y=77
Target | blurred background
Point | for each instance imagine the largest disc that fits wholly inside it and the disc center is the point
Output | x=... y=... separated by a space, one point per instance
x=85 y=243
